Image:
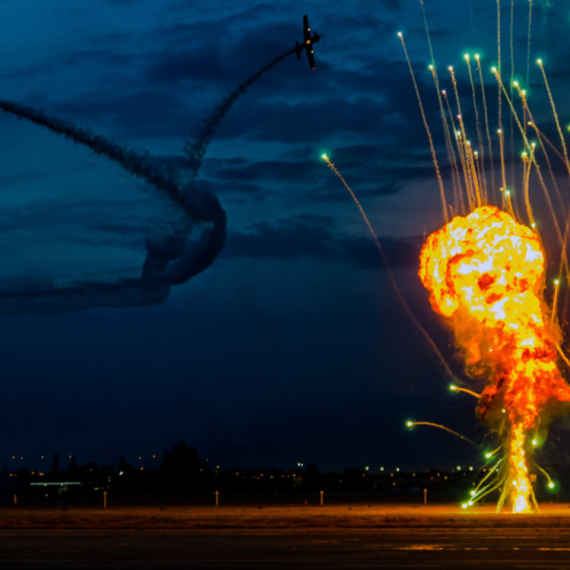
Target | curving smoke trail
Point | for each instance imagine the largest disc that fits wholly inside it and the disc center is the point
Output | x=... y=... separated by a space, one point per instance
x=56 y=295
x=170 y=261
x=162 y=178
x=197 y=149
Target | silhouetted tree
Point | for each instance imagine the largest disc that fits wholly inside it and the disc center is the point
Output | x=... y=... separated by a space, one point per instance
x=73 y=471
x=55 y=465
x=354 y=479
x=124 y=481
x=313 y=479
x=182 y=470
x=125 y=468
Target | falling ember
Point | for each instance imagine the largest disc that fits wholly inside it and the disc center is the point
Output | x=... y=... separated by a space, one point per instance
x=485 y=274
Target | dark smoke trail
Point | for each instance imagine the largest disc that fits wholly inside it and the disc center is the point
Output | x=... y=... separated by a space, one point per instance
x=171 y=259
x=61 y=294
x=197 y=149
x=162 y=178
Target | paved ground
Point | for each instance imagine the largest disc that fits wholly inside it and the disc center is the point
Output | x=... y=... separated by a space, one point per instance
x=282 y=538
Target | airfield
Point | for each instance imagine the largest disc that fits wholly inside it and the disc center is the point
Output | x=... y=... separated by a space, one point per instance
x=282 y=536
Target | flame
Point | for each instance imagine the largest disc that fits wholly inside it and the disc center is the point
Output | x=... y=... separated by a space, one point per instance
x=485 y=275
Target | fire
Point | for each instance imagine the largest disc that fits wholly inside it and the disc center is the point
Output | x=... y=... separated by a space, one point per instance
x=485 y=275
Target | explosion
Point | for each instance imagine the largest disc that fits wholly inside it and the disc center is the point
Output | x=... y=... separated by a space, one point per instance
x=485 y=269
x=485 y=275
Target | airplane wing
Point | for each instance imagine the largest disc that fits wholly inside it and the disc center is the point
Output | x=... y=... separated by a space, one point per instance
x=310 y=55
x=308 y=41
x=306 y=30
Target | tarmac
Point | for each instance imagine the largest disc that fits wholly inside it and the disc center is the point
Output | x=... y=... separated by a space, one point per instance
x=333 y=537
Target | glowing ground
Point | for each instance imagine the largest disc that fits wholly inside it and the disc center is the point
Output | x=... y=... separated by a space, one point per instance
x=247 y=536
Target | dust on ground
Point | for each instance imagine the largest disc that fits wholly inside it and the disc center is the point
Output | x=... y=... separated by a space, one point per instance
x=277 y=517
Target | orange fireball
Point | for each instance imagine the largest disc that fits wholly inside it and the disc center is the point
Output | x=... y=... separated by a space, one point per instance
x=485 y=275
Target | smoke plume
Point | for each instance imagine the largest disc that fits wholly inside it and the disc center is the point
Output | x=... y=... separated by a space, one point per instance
x=197 y=148
x=171 y=259
x=171 y=262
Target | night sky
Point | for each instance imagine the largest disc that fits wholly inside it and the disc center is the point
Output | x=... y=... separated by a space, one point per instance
x=291 y=346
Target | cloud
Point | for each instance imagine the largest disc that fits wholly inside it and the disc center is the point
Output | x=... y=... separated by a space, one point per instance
x=377 y=170
x=137 y=114
x=317 y=237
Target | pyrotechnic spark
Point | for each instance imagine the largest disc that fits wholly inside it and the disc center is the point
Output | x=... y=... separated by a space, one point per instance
x=555 y=114
x=528 y=40
x=554 y=302
x=433 y=153
x=411 y=424
x=490 y=454
x=425 y=334
x=487 y=128
x=455 y=388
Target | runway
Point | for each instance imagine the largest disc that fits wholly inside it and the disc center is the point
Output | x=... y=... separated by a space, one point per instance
x=539 y=542
x=332 y=548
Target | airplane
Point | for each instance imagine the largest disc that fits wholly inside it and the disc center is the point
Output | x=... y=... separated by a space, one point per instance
x=308 y=42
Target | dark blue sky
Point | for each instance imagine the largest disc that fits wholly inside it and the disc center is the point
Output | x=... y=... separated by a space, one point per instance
x=292 y=345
